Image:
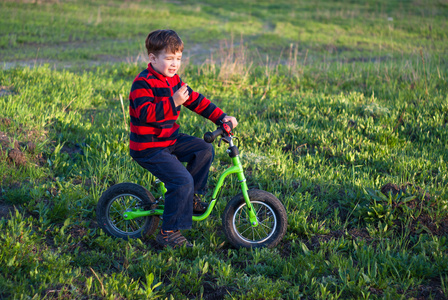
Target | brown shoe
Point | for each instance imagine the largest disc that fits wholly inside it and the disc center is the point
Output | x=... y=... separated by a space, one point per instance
x=199 y=207
x=172 y=238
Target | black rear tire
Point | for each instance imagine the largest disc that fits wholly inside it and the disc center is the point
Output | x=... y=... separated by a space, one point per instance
x=271 y=215
x=114 y=202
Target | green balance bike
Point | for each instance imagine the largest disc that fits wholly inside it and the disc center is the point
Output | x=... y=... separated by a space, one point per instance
x=253 y=218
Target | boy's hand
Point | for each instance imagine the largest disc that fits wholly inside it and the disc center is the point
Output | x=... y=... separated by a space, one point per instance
x=230 y=119
x=181 y=95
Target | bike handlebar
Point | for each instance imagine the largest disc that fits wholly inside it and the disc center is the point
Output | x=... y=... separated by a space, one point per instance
x=226 y=127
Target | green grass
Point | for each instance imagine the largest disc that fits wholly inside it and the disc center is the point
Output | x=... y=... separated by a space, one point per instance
x=81 y=31
x=354 y=102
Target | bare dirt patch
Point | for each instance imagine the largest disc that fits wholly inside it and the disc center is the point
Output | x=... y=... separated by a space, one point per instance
x=5 y=121
x=317 y=240
x=285 y=249
x=14 y=149
x=215 y=294
x=72 y=151
x=439 y=228
x=429 y=290
x=59 y=291
x=16 y=156
x=409 y=189
x=78 y=232
x=359 y=233
x=6 y=210
x=6 y=141
x=30 y=147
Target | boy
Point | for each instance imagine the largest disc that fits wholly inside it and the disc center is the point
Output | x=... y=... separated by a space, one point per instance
x=156 y=97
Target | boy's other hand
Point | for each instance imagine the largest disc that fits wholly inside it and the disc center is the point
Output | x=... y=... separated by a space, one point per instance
x=230 y=119
x=181 y=95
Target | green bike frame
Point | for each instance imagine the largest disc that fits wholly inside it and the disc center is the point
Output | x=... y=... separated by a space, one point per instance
x=236 y=168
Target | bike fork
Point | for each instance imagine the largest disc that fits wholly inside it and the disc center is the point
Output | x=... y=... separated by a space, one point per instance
x=242 y=180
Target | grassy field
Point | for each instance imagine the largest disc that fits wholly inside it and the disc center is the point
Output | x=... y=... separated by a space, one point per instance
x=343 y=115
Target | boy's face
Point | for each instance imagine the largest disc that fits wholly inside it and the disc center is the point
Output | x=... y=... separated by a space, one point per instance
x=165 y=63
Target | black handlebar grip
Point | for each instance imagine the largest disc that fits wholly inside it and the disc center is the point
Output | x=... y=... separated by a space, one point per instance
x=209 y=137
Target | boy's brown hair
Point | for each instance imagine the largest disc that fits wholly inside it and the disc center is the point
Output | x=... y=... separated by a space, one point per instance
x=167 y=39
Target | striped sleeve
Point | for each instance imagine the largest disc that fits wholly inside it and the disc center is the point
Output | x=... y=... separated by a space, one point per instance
x=202 y=106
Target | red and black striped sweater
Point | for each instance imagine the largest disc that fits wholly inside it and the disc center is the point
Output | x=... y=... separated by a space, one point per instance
x=154 y=114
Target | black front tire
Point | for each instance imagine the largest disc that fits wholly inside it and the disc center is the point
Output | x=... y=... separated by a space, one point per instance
x=114 y=202
x=271 y=215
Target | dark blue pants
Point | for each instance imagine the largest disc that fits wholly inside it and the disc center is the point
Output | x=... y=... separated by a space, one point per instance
x=181 y=183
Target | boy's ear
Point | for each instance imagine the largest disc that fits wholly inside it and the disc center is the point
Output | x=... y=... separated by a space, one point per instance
x=152 y=57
